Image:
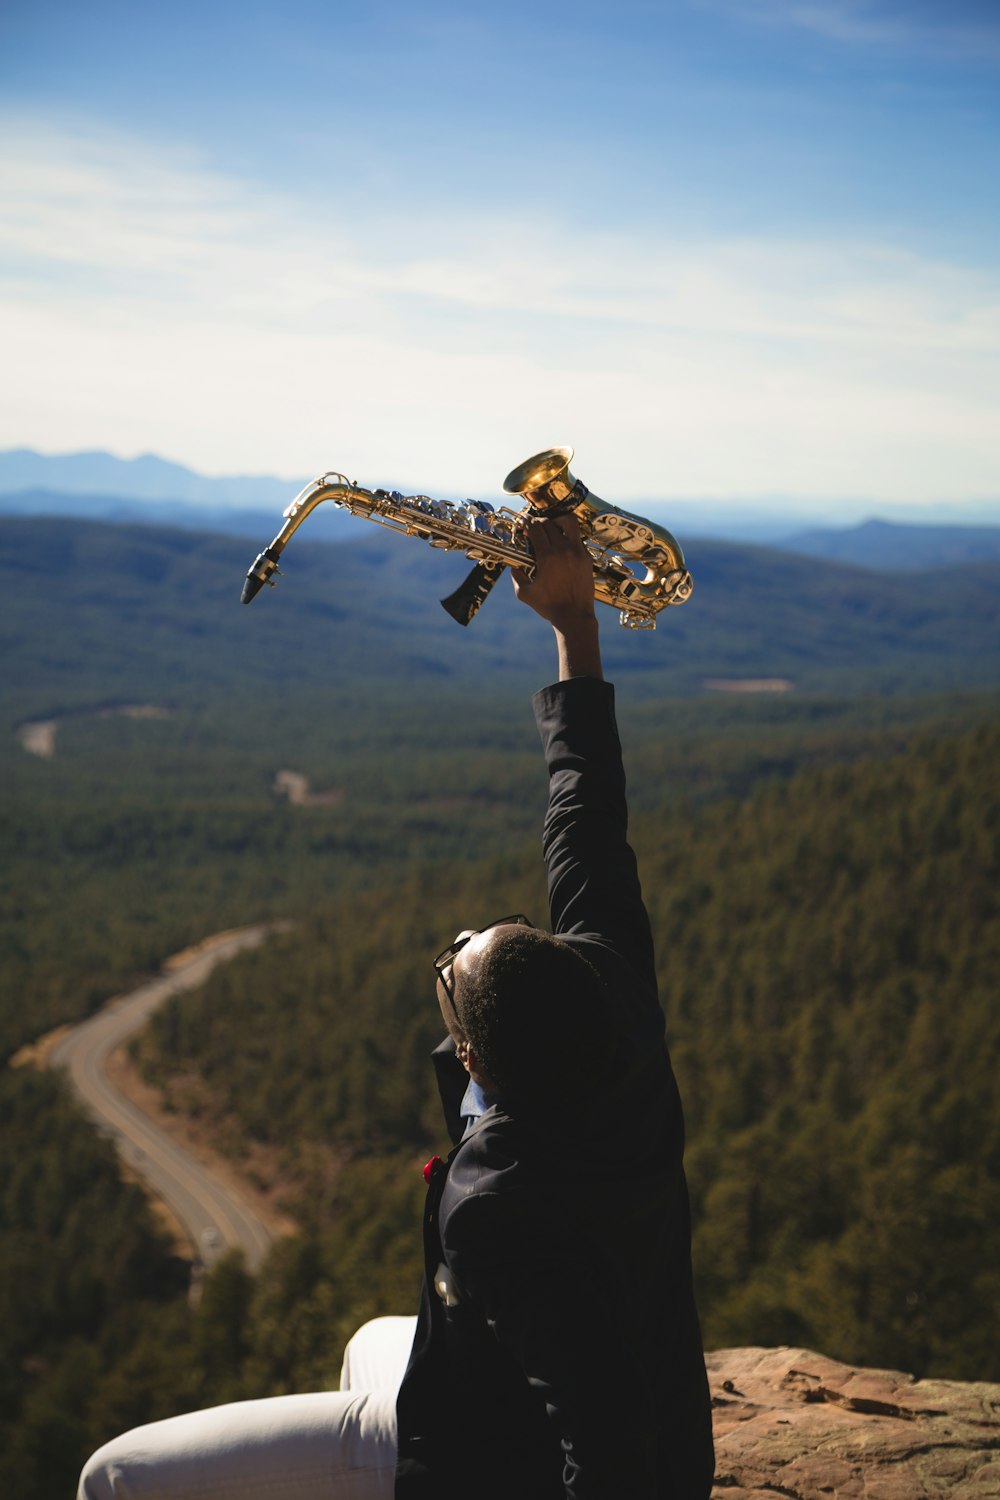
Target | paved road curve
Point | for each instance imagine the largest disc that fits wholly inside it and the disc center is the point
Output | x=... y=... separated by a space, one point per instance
x=213 y=1218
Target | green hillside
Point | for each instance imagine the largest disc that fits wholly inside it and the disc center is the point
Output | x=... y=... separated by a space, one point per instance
x=828 y=953
x=103 y=614
x=820 y=867
x=828 y=950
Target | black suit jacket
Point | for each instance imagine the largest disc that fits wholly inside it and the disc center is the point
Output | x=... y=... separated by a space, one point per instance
x=567 y=1359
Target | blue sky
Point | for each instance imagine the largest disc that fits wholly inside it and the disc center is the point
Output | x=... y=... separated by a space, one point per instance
x=734 y=249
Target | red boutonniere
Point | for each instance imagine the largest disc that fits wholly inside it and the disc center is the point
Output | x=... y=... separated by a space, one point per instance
x=431 y=1168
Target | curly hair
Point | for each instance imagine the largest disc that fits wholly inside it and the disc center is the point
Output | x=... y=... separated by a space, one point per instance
x=535 y=1012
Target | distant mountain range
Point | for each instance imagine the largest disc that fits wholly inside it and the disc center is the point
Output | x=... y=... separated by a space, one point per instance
x=147 y=478
x=97 y=486
x=327 y=523
x=886 y=545
x=148 y=491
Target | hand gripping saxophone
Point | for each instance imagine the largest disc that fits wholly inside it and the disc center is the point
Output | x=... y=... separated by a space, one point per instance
x=638 y=566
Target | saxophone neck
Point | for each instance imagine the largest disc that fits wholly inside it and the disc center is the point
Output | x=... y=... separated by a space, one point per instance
x=330 y=486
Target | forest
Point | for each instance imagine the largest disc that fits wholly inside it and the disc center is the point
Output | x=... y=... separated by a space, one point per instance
x=820 y=867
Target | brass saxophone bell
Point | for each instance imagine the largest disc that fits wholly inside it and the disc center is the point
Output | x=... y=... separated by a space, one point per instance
x=545 y=481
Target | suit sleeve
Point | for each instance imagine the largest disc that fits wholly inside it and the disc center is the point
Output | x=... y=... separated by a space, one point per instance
x=592 y=876
x=542 y=1297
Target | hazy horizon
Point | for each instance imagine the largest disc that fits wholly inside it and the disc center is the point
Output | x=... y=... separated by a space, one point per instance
x=739 y=518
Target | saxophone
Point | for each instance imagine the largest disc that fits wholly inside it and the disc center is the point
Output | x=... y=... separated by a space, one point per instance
x=638 y=566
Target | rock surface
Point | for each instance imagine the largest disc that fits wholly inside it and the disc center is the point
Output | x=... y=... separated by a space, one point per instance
x=792 y=1423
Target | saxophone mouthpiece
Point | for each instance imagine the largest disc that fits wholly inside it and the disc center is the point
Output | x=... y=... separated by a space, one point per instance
x=261 y=569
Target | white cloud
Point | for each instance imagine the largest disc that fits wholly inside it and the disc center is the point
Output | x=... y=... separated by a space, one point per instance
x=154 y=305
x=839 y=20
x=955 y=30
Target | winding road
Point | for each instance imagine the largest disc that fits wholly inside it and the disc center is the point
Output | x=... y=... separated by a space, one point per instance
x=212 y=1216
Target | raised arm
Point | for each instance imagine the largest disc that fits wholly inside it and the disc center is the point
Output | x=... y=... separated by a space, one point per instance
x=593 y=881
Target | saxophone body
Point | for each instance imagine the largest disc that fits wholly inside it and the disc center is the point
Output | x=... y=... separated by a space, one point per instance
x=638 y=566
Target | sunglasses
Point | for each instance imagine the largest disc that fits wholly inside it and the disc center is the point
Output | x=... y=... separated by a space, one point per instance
x=445 y=959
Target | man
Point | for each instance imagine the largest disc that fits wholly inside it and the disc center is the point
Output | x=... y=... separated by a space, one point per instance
x=557 y=1351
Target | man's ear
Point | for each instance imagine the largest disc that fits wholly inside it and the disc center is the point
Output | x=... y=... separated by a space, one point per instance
x=466 y=1055
x=470 y=1062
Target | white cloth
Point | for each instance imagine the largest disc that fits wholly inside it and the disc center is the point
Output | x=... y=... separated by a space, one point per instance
x=329 y=1445
x=376 y=1357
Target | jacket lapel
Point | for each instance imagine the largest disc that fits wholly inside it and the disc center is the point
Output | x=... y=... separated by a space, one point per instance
x=452 y=1081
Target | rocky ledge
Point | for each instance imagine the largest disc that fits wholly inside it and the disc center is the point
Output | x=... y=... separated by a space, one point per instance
x=789 y=1422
